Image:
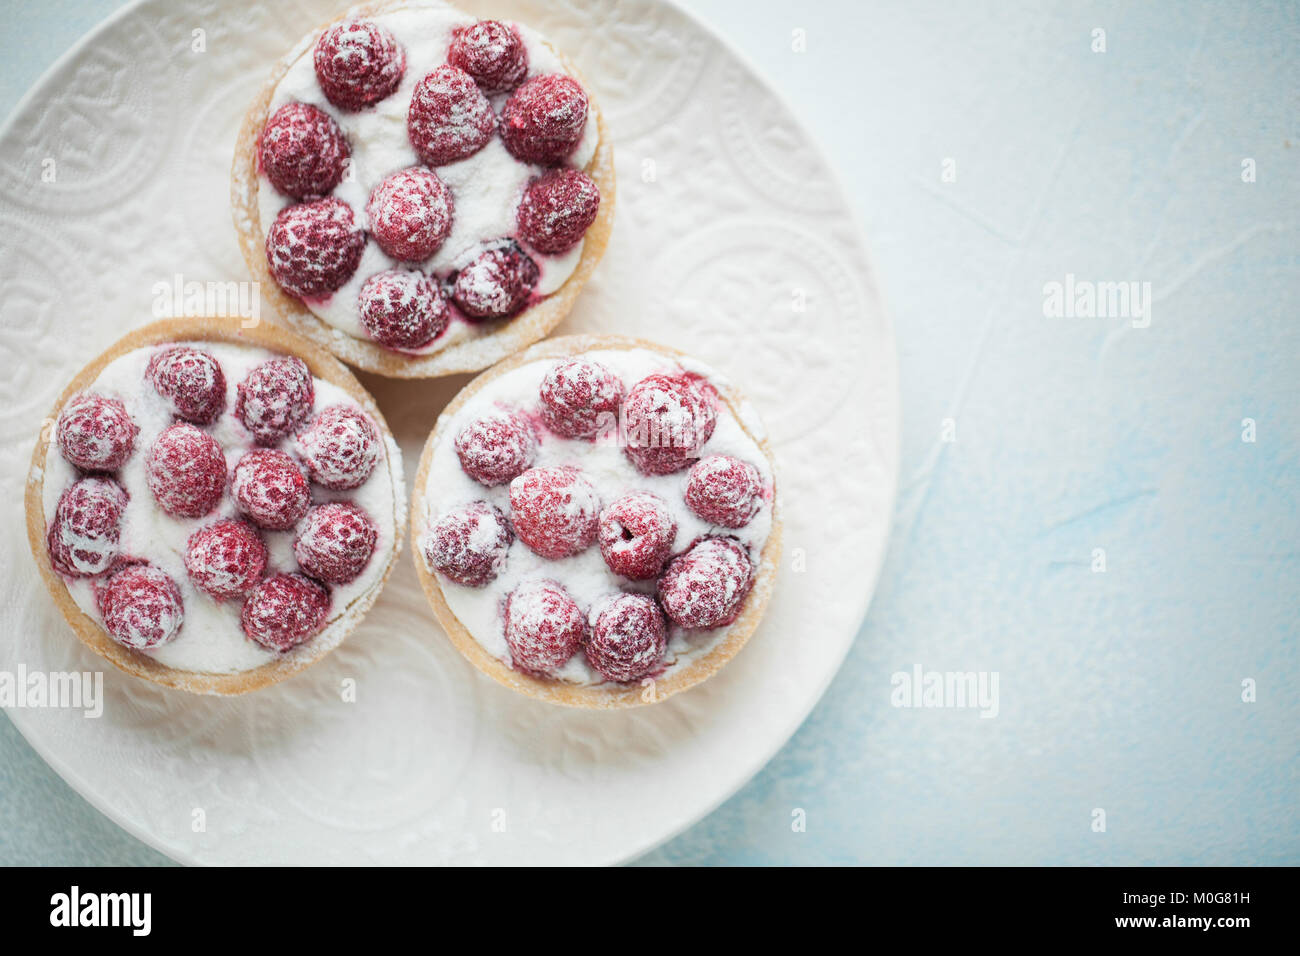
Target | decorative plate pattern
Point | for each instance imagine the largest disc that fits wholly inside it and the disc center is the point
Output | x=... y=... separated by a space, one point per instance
x=732 y=243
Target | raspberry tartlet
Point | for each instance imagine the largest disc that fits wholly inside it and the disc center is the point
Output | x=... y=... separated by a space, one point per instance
x=421 y=192
x=595 y=522
x=184 y=512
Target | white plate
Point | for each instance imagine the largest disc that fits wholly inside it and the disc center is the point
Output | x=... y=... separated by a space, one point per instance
x=732 y=241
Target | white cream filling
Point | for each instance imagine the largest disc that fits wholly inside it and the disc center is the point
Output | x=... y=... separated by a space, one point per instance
x=586 y=576
x=211 y=639
x=486 y=187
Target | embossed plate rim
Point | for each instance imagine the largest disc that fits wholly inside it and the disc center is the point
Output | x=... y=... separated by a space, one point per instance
x=888 y=366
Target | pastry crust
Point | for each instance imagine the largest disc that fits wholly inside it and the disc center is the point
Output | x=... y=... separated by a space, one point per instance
x=508 y=337
x=324 y=366
x=600 y=696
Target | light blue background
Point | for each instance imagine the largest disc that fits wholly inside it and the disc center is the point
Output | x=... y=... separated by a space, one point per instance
x=1118 y=690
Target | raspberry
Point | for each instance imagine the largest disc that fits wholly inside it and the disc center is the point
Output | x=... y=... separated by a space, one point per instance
x=580 y=399
x=555 y=511
x=141 y=607
x=303 y=151
x=706 y=586
x=636 y=535
x=724 y=491
x=84 y=534
x=270 y=488
x=275 y=398
x=192 y=382
x=628 y=637
x=469 y=544
x=96 y=433
x=667 y=418
x=285 y=610
x=557 y=209
x=497 y=447
x=358 y=63
x=403 y=310
x=335 y=542
x=340 y=448
x=544 y=119
x=450 y=118
x=314 y=247
x=544 y=627
x=186 y=471
x=410 y=214
x=492 y=53
x=496 y=284
x=225 y=559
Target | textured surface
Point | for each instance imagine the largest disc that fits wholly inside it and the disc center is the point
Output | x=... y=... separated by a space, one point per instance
x=432 y=763
x=1118 y=690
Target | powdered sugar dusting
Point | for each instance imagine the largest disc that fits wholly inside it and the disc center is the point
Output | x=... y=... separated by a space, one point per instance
x=270 y=488
x=585 y=576
x=96 y=433
x=84 y=534
x=492 y=52
x=543 y=626
x=358 y=63
x=487 y=184
x=410 y=214
x=468 y=544
x=275 y=397
x=211 y=640
x=705 y=586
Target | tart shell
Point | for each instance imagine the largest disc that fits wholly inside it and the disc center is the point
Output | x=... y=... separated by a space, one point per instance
x=599 y=696
x=230 y=330
x=510 y=336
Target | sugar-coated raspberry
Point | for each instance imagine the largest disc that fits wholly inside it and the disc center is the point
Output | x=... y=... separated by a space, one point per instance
x=358 y=63
x=544 y=119
x=497 y=447
x=340 y=448
x=580 y=399
x=706 y=586
x=335 y=542
x=544 y=627
x=410 y=214
x=96 y=433
x=314 y=247
x=450 y=118
x=285 y=610
x=667 y=418
x=492 y=53
x=84 y=535
x=275 y=398
x=557 y=209
x=186 y=471
x=636 y=535
x=724 y=491
x=555 y=511
x=225 y=559
x=403 y=309
x=496 y=284
x=141 y=607
x=628 y=637
x=191 y=380
x=469 y=544
x=303 y=152
x=270 y=488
